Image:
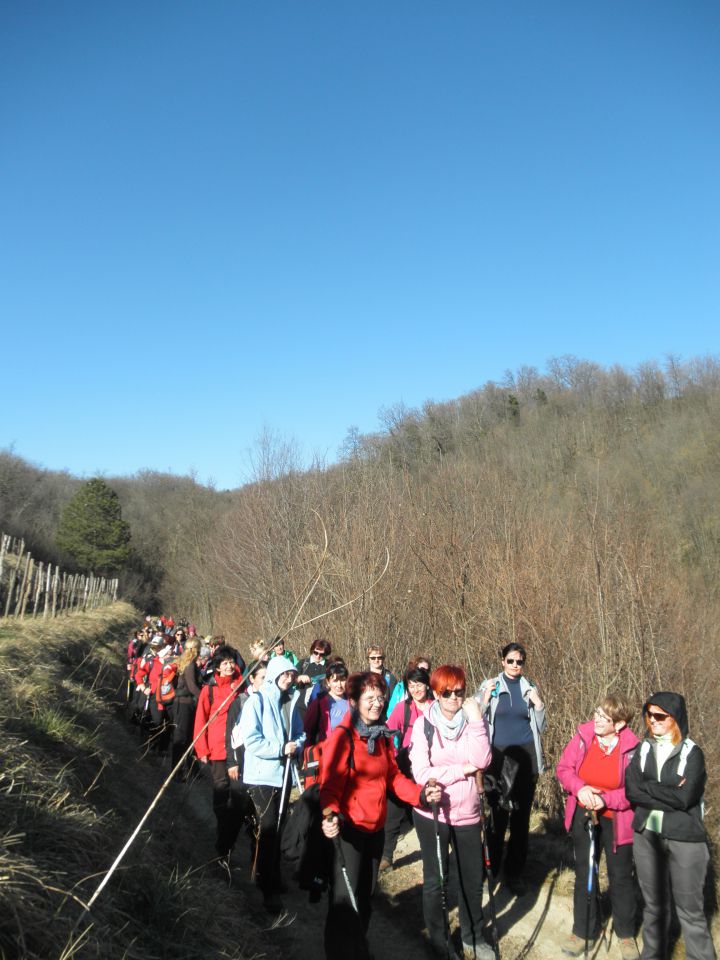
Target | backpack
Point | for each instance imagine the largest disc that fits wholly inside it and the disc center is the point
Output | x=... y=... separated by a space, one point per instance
x=167 y=687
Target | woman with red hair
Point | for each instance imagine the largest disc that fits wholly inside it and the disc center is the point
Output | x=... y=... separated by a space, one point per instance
x=450 y=746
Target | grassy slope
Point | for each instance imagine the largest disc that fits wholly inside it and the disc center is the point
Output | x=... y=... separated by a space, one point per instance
x=71 y=791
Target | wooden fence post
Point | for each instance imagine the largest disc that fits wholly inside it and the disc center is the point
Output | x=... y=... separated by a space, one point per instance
x=21 y=591
x=39 y=580
x=47 y=591
x=27 y=586
x=56 y=578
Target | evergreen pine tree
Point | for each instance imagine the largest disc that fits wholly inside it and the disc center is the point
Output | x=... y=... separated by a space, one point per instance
x=92 y=531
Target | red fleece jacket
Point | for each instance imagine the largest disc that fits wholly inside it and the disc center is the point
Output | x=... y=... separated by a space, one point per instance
x=360 y=794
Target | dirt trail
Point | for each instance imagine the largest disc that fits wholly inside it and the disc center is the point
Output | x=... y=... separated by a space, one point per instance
x=531 y=928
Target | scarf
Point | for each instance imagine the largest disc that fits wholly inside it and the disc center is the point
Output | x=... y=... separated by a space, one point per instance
x=662 y=747
x=448 y=729
x=372 y=732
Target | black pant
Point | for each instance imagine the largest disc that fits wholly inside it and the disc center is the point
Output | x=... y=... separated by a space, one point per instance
x=620 y=878
x=227 y=816
x=266 y=801
x=467 y=861
x=523 y=794
x=399 y=816
x=184 y=722
x=346 y=929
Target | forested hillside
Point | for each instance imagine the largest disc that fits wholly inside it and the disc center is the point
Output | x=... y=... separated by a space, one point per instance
x=575 y=510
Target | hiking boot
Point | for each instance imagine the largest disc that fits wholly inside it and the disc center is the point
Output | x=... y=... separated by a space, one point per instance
x=481 y=951
x=628 y=948
x=385 y=865
x=575 y=946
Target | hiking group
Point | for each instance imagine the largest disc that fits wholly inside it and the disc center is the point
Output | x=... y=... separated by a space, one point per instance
x=363 y=755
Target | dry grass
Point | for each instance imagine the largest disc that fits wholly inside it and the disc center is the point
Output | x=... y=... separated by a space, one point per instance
x=71 y=789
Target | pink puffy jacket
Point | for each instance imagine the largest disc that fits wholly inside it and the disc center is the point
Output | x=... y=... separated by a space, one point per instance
x=615 y=800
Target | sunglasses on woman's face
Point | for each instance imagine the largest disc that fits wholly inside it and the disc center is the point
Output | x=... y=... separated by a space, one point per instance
x=459 y=693
x=658 y=717
x=511 y=661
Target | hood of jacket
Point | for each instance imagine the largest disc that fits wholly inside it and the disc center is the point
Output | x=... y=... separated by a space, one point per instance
x=672 y=703
x=275 y=667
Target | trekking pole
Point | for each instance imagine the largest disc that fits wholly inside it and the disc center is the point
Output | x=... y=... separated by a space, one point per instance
x=488 y=864
x=284 y=792
x=296 y=777
x=443 y=888
x=590 y=824
x=329 y=814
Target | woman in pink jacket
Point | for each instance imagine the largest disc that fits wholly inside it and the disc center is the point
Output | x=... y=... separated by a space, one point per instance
x=450 y=745
x=592 y=771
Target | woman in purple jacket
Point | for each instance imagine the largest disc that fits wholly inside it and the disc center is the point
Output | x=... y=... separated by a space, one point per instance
x=592 y=771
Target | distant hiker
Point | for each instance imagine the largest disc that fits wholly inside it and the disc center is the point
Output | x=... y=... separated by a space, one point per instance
x=234 y=746
x=186 y=698
x=311 y=669
x=450 y=745
x=516 y=717
x=329 y=706
x=273 y=736
x=592 y=772
x=400 y=691
x=214 y=701
x=400 y=721
x=376 y=664
x=214 y=642
x=665 y=783
x=240 y=798
x=134 y=650
x=358 y=768
x=279 y=650
x=258 y=651
x=178 y=639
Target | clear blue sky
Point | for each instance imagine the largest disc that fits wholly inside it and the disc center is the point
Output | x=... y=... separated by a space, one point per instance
x=222 y=215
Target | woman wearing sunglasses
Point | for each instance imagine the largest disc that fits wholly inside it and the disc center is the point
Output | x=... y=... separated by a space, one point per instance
x=592 y=772
x=665 y=783
x=450 y=745
x=516 y=717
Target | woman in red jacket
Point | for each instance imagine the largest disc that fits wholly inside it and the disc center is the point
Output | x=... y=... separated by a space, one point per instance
x=216 y=696
x=592 y=772
x=358 y=768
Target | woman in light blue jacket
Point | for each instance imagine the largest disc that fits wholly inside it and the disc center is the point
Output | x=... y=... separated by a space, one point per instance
x=272 y=731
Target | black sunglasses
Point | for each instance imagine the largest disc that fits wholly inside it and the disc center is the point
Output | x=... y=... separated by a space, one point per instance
x=446 y=694
x=520 y=663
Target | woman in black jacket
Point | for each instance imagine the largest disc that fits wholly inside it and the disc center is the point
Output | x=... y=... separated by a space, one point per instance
x=665 y=783
x=183 y=708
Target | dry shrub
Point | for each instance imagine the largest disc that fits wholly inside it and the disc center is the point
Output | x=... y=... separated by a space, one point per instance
x=71 y=790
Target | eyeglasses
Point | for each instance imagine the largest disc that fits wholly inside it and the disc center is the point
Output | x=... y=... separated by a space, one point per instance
x=376 y=658
x=379 y=700
x=657 y=717
x=446 y=694
x=319 y=653
x=601 y=716
x=510 y=660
